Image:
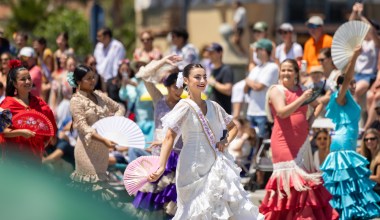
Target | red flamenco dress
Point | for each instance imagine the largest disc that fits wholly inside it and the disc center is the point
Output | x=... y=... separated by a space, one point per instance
x=32 y=148
x=294 y=190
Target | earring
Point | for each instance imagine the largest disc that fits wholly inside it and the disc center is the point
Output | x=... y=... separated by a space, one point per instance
x=15 y=92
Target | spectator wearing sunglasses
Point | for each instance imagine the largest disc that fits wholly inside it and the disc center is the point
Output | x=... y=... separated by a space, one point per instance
x=370 y=149
x=318 y=40
x=147 y=49
x=288 y=49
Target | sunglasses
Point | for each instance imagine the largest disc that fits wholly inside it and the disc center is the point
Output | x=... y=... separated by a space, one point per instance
x=146 y=39
x=313 y=26
x=320 y=138
x=321 y=60
x=370 y=139
x=284 y=32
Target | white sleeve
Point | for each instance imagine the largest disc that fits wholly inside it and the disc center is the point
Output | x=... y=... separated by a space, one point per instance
x=298 y=52
x=238 y=94
x=270 y=76
x=176 y=117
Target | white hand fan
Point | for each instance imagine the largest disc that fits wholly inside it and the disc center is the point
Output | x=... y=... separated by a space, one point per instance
x=138 y=171
x=121 y=130
x=346 y=38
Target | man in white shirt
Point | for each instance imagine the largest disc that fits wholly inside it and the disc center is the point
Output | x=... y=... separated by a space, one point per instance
x=108 y=52
x=258 y=81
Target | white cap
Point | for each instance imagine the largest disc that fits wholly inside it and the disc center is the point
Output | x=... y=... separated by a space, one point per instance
x=286 y=27
x=316 y=20
x=27 y=52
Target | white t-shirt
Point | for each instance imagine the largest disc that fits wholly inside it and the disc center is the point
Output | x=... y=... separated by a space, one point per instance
x=294 y=52
x=240 y=17
x=367 y=60
x=266 y=74
x=238 y=94
x=108 y=58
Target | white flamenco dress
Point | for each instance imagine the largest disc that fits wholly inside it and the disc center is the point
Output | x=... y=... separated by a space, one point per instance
x=208 y=181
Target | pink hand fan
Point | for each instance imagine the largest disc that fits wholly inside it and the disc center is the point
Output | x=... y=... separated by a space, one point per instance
x=137 y=172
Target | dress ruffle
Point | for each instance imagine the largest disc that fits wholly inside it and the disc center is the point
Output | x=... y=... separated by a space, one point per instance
x=347 y=179
x=156 y=196
x=292 y=193
x=223 y=196
x=87 y=178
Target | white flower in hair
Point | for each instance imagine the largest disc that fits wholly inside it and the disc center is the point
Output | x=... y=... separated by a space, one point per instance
x=179 y=82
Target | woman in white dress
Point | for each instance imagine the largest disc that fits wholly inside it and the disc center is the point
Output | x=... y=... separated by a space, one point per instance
x=208 y=182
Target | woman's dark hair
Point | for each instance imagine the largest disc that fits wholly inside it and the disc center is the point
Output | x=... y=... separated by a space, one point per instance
x=326 y=51
x=11 y=79
x=170 y=80
x=65 y=36
x=295 y=67
x=42 y=41
x=189 y=67
x=79 y=72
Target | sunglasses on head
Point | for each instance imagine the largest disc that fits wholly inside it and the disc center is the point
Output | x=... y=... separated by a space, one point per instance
x=313 y=26
x=370 y=139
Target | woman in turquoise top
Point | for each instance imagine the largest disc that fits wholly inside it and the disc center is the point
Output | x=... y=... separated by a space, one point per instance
x=345 y=172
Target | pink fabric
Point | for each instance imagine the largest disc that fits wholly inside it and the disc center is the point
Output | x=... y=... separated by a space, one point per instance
x=289 y=133
x=36 y=74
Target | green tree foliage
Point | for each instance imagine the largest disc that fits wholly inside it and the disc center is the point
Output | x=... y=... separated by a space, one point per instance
x=26 y=14
x=65 y=20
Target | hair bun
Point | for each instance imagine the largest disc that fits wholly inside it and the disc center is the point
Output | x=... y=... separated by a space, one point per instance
x=14 y=64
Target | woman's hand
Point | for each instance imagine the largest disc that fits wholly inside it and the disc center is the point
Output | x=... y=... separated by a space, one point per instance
x=109 y=143
x=156 y=175
x=26 y=133
x=222 y=145
x=172 y=59
x=307 y=94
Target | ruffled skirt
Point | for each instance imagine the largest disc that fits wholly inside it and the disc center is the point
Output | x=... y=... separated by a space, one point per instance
x=219 y=195
x=161 y=194
x=347 y=179
x=294 y=193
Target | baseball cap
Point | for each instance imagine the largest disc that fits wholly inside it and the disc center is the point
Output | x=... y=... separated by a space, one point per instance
x=260 y=26
x=215 y=47
x=316 y=69
x=314 y=21
x=286 y=27
x=264 y=44
x=27 y=52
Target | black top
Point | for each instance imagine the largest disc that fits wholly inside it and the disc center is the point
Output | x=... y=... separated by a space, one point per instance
x=223 y=75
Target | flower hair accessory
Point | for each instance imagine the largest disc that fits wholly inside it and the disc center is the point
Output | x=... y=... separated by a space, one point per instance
x=179 y=82
x=71 y=80
x=15 y=64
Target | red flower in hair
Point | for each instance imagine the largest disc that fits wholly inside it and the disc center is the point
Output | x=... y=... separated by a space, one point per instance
x=14 y=64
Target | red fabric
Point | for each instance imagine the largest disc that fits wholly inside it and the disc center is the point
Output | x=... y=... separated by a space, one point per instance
x=34 y=145
x=289 y=134
x=310 y=204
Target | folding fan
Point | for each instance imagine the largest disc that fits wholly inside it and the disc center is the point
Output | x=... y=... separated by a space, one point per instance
x=345 y=39
x=121 y=130
x=316 y=93
x=5 y=119
x=137 y=172
x=34 y=121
